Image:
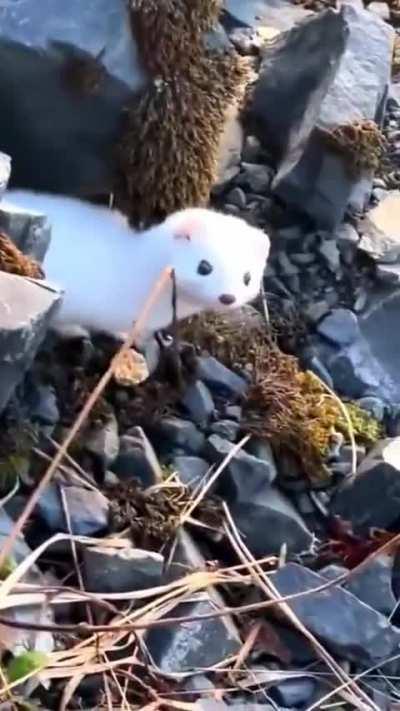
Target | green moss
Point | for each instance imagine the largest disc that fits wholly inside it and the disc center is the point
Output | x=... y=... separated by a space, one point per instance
x=26 y=663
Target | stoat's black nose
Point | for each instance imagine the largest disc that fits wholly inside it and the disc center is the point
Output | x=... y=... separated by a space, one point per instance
x=227 y=299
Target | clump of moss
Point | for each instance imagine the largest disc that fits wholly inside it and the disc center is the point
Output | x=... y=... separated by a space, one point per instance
x=289 y=407
x=169 y=150
x=13 y=261
x=362 y=144
x=169 y=32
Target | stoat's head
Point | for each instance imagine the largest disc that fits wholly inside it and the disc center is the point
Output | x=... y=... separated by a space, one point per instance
x=219 y=260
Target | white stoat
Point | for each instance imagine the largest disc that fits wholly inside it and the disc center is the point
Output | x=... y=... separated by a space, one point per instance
x=106 y=269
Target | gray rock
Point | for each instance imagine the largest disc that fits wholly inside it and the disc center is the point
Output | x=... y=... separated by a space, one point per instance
x=346 y=234
x=30 y=231
x=316 y=310
x=340 y=327
x=237 y=197
x=197 y=644
x=295 y=692
x=299 y=70
x=381 y=9
x=198 y=403
x=374 y=406
x=272 y=13
x=373 y=584
x=268 y=520
x=5 y=171
x=18 y=641
x=345 y=625
x=173 y=432
x=251 y=150
x=233 y=412
x=333 y=571
x=227 y=429
x=245 y=475
x=371 y=500
x=220 y=379
x=26 y=311
x=379 y=228
x=230 y=150
x=137 y=459
x=388 y=273
x=330 y=254
x=111 y=570
x=88 y=510
x=191 y=470
x=103 y=441
x=257 y=177
x=379 y=326
x=43 y=404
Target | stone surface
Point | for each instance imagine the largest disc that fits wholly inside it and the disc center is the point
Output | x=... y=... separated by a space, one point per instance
x=345 y=625
x=380 y=231
x=26 y=308
x=372 y=499
x=137 y=459
x=43 y=405
x=245 y=475
x=103 y=441
x=373 y=584
x=227 y=429
x=316 y=77
x=18 y=640
x=294 y=692
x=268 y=520
x=220 y=379
x=30 y=231
x=175 y=433
x=201 y=643
x=340 y=327
x=191 y=470
x=265 y=13
x=198 y=403
x=113 y=570
x=256 y=177
x=88 y=510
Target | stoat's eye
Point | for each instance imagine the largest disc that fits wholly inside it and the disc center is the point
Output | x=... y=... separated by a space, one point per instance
x=204 y=268
x=247 y=278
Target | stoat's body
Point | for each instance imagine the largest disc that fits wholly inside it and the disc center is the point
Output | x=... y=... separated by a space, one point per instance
x=107 y=270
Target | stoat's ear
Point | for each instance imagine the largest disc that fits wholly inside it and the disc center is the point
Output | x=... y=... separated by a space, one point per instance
x=186 y=226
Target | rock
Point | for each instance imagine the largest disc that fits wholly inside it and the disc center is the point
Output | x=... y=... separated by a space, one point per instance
x=197 y=644
x=374 y=406
x=380 y=231
x=220 y=379
x=295 y=692
x=245 y=475
x=372 y=584
x=102 y=440
x=18 y=641
x=5 y=171
x=111 y=570
x=315 y=310
x=30 y=231
x=251 y=150
x=298 y=70
x=26 y=311
x=191 y=470
x=88 y=510
x=347 y=627
x=340 y=327
x=265 y=13
x=256 y=177
x=173 y=432
x=371 y=500
x=268 y=520
x=137 y=459
x=43 y=405
x=346 y=234
x=198 y=403
x=330 y=254
x=230 y=148
x=36 y=48
x=356 y=371
x=388 y=273
x=227 y=429
x=237 y=197
x=233 y=412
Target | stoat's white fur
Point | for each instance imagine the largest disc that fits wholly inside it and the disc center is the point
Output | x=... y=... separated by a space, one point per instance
x=107 y=270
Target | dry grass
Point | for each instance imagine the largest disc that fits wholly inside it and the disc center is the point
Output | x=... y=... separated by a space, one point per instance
x=13 y=261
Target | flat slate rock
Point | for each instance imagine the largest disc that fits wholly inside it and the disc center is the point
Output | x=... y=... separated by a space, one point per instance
x=26 y=308
x=337 y=618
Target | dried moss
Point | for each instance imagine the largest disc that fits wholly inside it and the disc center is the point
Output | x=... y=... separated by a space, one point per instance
x=288 y=406
x=362 y=144
x=169 y=151
x=13 y=261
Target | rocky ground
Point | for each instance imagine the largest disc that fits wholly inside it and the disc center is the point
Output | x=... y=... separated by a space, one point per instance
x=272 y=468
